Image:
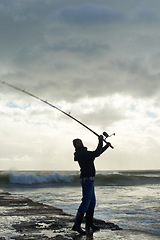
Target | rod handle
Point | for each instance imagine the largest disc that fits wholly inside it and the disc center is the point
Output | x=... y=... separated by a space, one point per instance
x=107 y=142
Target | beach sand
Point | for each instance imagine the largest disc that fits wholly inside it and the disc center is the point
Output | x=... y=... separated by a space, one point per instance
x=21 y=218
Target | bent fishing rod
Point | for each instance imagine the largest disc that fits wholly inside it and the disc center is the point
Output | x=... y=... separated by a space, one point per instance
x=67 y=114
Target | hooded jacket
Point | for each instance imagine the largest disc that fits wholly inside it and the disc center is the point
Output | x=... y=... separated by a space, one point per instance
x=86 y=159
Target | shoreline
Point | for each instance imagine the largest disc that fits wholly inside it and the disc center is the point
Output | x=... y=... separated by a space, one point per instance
x=23 y=219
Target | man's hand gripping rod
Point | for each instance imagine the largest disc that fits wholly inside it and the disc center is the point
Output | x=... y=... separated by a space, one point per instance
x=34 y=96
x=106 y=135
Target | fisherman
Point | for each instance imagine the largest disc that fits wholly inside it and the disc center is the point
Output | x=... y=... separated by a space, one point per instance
x=85 y=160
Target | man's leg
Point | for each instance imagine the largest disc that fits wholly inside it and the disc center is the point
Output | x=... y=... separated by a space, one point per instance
x=77 y=225
x=87 y=191
x=90 y=213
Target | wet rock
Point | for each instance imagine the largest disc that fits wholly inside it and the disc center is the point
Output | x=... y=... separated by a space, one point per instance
x=38 y=221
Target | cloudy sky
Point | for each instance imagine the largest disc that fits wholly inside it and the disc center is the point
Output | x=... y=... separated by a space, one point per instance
x=98 y=60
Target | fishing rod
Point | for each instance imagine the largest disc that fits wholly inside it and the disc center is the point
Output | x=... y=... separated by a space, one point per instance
x=67 y=114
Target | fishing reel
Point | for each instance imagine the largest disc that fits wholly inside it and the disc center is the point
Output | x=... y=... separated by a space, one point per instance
x=106 y=135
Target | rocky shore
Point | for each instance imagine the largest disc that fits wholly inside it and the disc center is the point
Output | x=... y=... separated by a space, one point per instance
x=23 y=219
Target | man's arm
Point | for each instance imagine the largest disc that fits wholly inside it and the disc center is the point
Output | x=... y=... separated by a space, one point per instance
x=105 y=147
x=100 y=149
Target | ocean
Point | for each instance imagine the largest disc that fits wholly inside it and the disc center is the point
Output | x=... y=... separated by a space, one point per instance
x=130 y=199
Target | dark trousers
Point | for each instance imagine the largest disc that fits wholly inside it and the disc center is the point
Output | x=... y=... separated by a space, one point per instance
x=88 y=200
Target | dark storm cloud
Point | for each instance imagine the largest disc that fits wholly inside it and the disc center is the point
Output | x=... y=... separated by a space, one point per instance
x=90 y=14
x=84 y=46
x=147 y=16
x=77 y=49
x=137 y=78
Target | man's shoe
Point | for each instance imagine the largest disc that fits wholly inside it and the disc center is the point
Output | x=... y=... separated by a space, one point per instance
x=95 y=228
x=89 y=222
x=78 y=229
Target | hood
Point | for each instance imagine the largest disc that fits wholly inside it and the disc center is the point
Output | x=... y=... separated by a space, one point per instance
x=78 y=152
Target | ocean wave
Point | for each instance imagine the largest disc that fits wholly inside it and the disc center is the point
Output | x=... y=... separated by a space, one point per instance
x=125 y=179
x=36 y=179
x=72 y=178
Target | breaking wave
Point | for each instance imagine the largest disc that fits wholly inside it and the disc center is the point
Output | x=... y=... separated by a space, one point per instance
x=72 y=178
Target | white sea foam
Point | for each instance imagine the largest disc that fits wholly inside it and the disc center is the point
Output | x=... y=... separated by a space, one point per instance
x=35 y=179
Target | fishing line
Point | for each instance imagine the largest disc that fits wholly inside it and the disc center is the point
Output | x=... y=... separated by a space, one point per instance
x=67 y=114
